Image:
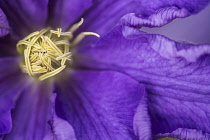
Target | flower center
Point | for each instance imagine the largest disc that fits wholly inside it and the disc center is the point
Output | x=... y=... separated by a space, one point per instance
x=47 y=51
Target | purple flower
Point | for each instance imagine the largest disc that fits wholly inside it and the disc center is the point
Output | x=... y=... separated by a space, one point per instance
x=126 y=85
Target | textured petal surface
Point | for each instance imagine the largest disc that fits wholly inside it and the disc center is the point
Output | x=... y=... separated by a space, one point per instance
x=157 y=19
x=11 y=84
x=176 y=75
x=4 y=26
x=31 y=113
x=59 y=129
x=25 y=16
x=193 y=29
x=99 y=105
x=142 y=124
x=65 y=12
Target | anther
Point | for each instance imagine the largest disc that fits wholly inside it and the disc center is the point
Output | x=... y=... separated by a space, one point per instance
x=46 y=51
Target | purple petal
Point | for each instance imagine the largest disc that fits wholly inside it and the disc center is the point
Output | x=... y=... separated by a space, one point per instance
x=11 y=84
x=25 y=16
x=4 y=26
x=186 y=134
x=193 y=28
x=159 y=18
x=104 y=15
x=99 y=105
x=5 y=123
x=176 y=75
x=170 y=113
x=142 y=124
x=65 y=12
x=59 y=129
x=31 y=112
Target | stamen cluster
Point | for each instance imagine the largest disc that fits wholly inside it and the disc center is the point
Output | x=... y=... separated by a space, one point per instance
x=46 y=51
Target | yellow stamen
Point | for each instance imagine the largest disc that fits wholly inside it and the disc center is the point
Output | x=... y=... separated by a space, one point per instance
x=46 y=51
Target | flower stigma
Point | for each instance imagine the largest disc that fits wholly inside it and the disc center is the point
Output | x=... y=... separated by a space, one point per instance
x=46 y=52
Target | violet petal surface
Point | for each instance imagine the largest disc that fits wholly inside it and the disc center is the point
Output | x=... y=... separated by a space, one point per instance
x=9 y=91
x=59 y=129
x=177 y=81
x=31 y=113
x=25 y=16
x=4 y=26
x=63 y=13
x=99 y=105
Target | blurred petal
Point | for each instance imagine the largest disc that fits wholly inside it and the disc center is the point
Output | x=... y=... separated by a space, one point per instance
x=176 y=75
x=63 y=13
x=11 y=84
x=25 y=16
x=59 y=129
x=99 y=105
x=4 y=26
x=31 y=113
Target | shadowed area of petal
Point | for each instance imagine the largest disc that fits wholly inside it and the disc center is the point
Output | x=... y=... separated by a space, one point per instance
x=7 y=47
x=4 y=26
x=59 y=129
x=31 y=113
x=178 y=85
x=186 y=134
x=99 y=105
x=25 y=16
x=65 y=12
x=11 y=84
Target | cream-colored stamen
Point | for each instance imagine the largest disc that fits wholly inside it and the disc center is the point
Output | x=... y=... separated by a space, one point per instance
x=46 y=51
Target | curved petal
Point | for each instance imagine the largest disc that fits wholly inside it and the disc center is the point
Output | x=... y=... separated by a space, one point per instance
x=142 y=124
x=157 y=19
x=193 y=29
x=99 y=105
x=176 y=75
x=11 y=84
x=31 y=112
x=4 y=26
x=65 y=12
x=104 y=14
x=186 y=134
x=59 y=129
x=5 y=123
x=25 y=16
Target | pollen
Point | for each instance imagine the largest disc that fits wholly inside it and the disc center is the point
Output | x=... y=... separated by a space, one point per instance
x=48 y=52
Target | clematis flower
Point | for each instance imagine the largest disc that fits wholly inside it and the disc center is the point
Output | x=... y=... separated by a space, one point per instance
x=126 y=85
